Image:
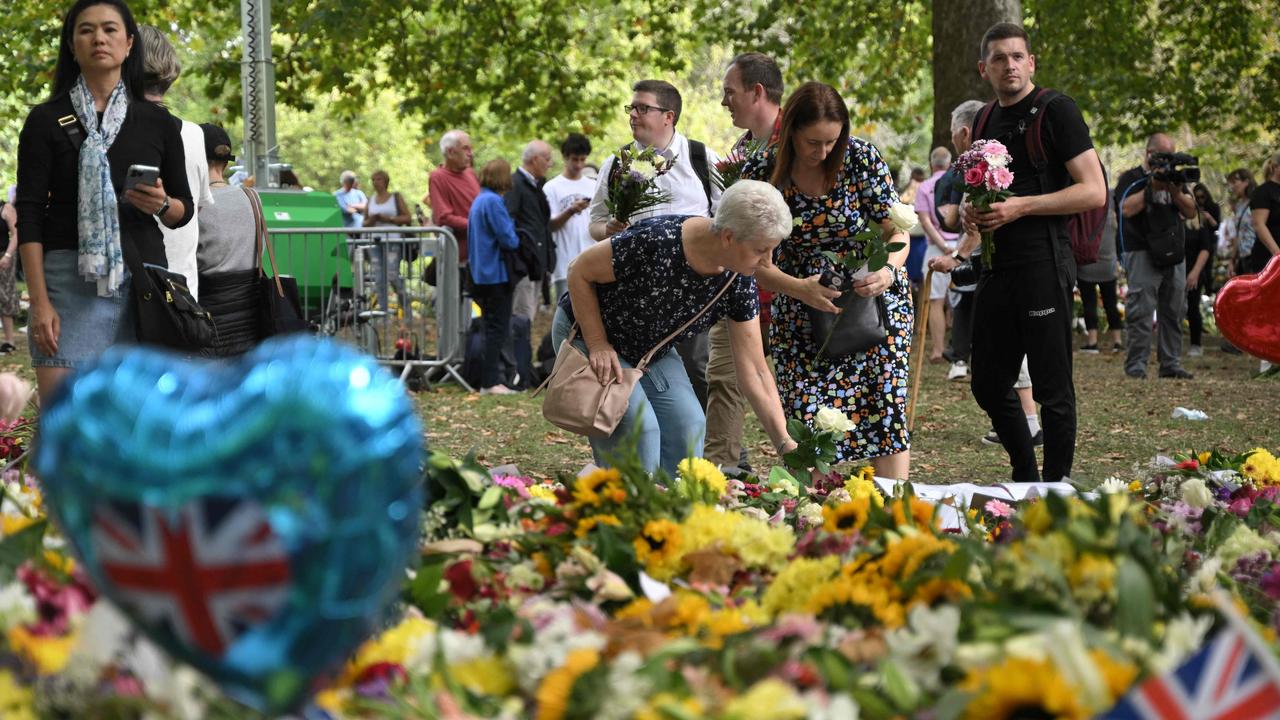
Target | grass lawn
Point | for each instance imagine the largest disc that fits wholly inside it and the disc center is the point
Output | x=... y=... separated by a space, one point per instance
x=1122 y=422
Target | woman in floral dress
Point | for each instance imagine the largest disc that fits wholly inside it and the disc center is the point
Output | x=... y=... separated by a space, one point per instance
x=836 y=185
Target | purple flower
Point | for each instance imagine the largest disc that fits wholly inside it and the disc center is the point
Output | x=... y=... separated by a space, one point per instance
x=1270 y=583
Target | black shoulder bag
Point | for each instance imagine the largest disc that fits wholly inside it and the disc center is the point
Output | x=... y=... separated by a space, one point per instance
x=280 y=310
x=166 y=312
x=861 y=324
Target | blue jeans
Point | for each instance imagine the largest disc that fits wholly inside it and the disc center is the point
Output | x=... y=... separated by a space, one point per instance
x=663 y=407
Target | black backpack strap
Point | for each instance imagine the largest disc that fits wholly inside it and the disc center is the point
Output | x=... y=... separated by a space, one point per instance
x=980 y=124
x=701 y=168
x=1035 y=133
x=70 y=124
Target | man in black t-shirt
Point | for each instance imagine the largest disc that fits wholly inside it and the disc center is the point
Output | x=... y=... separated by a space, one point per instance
x=1265 y=214
x=1151 y=209
x=1023 y=302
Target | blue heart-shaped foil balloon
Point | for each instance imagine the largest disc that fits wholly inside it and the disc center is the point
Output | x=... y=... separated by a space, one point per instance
x=253 y=517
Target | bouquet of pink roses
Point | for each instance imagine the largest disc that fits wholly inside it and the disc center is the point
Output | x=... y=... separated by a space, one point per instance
x=984 y=167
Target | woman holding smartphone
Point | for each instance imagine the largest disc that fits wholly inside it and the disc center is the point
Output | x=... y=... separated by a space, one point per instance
x=77 y=221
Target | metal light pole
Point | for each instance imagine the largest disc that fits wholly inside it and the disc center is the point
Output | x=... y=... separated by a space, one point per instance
x=258 y=93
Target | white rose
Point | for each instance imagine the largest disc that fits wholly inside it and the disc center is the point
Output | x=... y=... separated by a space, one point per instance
x=903 y=216
x=1196 y=494
x=831 y=420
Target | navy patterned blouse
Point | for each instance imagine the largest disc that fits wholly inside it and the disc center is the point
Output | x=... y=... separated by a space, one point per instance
x=656 y=290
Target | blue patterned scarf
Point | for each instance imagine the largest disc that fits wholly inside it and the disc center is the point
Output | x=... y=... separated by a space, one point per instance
x=101 y=259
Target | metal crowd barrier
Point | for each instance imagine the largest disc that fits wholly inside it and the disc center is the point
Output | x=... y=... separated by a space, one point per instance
x=386 y=309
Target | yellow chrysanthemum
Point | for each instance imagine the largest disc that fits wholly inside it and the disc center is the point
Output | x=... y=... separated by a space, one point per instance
x=1135 y=486
x=553 y=694
x=16 y=701
x=639 y=609
x=1039 y=691
x=791 y=588
x=720 y=624
x=396 y=645
x=586 y=524
x=658 y=548
x=586 y=489
x=487 y=675
x=846 y=517
x=49 y=655
x=1092 y=576
x=703 y=472
x=542 y=494
x=755 y=542
x=1118 y=675
x=1261 y=467
x=863 y=485
x=769 y=698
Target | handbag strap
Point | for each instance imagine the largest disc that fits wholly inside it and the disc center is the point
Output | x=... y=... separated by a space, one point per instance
x=644 y=361
x=262 y=237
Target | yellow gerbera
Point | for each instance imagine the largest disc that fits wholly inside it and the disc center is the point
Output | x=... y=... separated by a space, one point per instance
x=905 y=555
x=1018 y=688
x=553 y=694
x=921 y=511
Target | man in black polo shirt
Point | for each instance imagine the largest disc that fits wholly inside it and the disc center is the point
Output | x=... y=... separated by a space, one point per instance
x=1023 y=302
x=1150 y=209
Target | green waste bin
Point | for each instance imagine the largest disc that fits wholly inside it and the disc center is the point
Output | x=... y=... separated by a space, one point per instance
x=313 y=258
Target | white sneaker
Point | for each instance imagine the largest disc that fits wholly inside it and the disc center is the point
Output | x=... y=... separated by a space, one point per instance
x=1264 y=366
x=959 y=371
x=1195 y=351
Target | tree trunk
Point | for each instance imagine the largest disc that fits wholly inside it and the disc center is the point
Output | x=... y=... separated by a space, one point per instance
x=958 y=27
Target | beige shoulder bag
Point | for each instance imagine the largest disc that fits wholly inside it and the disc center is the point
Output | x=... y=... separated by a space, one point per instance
x=575 y=399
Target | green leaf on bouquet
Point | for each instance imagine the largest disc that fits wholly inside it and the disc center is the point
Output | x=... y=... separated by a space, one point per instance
x=835 y=259
x=894 y=247
x=424 y=590
x=877 y=261
x=779 y=474
x=20 y=547
x=1135 y=600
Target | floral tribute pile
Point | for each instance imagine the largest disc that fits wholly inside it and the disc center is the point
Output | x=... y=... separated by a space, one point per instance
x=615 y=596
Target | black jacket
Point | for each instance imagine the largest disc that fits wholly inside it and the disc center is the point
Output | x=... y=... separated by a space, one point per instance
x=531 y=213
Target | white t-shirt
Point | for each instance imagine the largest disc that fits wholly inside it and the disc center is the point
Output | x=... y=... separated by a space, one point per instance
x=687 y=194
x=180 y=244
x=575 y=235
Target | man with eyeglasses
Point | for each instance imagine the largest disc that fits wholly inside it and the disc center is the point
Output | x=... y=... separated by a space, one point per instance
x=654 y=111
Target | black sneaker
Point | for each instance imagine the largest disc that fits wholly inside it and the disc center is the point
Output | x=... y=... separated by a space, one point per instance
x=991 y=438
x=6 y=348
x=1038 y=439
x=1135 y=375
x=1089 y=349
x=1178 y=374
x=1117 y=348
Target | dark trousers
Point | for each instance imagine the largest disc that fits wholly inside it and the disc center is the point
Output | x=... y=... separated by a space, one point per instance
x=495 y=303
x=1027 y=311
x=1194 y=320
x=520 y=344
x=1089 y=304
x=962 y=327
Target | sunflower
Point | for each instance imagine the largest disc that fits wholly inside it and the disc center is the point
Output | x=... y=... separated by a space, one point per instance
x=586 y=489
x=587 y=524
x=905 y=555
x=870 y=599
x=938 y=589
x=658 y=547
x=1118 y=675
x=553 y=694
x=846 y=517
x=1020 y=688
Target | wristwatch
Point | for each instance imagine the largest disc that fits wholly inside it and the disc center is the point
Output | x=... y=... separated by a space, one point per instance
x=163 y=208
x=956 y=256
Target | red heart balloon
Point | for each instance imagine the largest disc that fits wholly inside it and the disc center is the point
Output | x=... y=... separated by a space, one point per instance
x=1248 y=312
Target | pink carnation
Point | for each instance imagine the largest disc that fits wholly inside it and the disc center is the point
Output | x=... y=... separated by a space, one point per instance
x=973 y=177
x=994 y=147
x=998 y=509
x=999 y=179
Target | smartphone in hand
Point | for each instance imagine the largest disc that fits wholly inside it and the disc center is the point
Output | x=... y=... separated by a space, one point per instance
x=141 y=175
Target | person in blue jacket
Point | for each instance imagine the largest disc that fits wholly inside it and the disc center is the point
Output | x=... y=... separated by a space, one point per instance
x=490 y=231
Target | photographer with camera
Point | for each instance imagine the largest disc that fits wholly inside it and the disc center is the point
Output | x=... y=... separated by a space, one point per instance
x=1152 y=201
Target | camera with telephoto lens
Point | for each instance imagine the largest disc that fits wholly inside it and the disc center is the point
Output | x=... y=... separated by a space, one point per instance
x=1178 y=168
